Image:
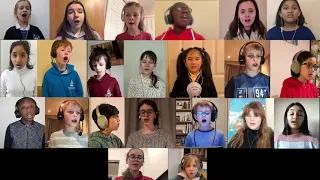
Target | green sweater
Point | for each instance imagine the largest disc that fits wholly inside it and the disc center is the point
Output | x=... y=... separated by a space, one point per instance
x=99 y=140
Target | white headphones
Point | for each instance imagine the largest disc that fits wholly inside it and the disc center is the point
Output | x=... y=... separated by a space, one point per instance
x=295 y=65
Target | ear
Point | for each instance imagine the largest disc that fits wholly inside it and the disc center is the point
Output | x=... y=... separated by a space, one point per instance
x=195 y=117
x=280 y=14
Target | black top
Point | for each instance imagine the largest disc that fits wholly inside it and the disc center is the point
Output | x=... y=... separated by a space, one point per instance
x=251 y=138
x=14 y=33
x=182 y=82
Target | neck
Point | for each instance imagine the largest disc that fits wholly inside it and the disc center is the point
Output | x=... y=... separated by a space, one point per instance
x=148 y=129
x=100 y=76
x=290 y=26
x=107 y=131
x=247 y=28
x=251 y=73
x=26 y=122
x=177 y=30
x=76 y=31
x=23 y=24
x=205 y=128
x=194 y=73
x=61 y=66
x=146 y=75
x=302 y=80
x=295 y=131
x=134 y=173
x=69 y=129
x=133 y=31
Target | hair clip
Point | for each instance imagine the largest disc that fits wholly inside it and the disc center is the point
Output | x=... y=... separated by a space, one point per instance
x=182 y=49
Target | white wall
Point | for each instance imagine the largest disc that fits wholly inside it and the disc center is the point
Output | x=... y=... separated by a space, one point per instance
x=309 y=9
x=226 y=17
x=5 y=53
x=132 y=53
x=156 y=160
x=281 y=55
x=270 y=112
x=311 y=106
x=118 y=102
x=116 y=71
x=40 y=16
x=8 y=116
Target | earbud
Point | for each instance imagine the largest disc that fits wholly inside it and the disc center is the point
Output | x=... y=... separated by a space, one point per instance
x=281 y=29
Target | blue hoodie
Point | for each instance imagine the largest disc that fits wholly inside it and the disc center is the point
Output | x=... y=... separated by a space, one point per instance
x=57 y=84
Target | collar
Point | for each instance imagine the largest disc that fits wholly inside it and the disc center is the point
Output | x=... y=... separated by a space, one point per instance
x=24 y=123
x=21 y=28
x=20 y=70
x=139 y=177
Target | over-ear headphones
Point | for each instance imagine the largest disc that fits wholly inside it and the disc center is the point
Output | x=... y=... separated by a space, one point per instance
x=129 y=4
x=54 y=50
x=214 y=112
x=191 y=154
x=242 y=57
x=60 y=114
x=168 y=17
x=98 y=51
x=17 y=113
x=295 y=65
x=101 y=120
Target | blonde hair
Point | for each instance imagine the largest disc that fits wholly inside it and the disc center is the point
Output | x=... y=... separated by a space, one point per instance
x=255 y=46
x=189 y=159
x=16 y=7
x=126 y=175
x=70 y=103
x=130 y=4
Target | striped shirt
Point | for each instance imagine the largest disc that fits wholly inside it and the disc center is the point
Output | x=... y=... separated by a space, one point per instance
x=296 y=141
x=62 y=139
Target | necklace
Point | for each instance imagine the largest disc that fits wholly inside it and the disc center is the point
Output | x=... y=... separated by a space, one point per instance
x=250 y=144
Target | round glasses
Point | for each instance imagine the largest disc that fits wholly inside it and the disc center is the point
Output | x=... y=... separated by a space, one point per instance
x=138 y=158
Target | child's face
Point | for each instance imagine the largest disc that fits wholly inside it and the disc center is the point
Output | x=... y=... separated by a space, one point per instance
x=253 y=58
x=290 y=12
x=23 y=11
x=19 y=57
x=147 y=114
x=203 y=115
x=309 y=68
x=63 y=54
x=27 y=109
x=75 y=16
x=114 y=122
x=71 y=115
x=253 y=121
x=135 y=159
x=132 y=17
x=99 y=66
x=181 y=15
x=191 y=169
x=194 y=61
x=295 y=117
x=147 y=65
x=247 y=14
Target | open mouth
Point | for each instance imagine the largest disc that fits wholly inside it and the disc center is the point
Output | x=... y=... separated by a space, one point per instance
x=247 y=21
x=252 y=124
x=204 y=121
x=76 y=22
x=24 y=15
x=185 y=17
x=146 y=69
x=65 y=58
x=29 y=115
x=19 y=65
x=135 y=164
x=131 y=23
x=255 y=64
x=290 y=16
x=74 y=121
x=294 y=122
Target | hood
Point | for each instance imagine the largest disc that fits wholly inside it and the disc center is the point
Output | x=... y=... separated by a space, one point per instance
x=292 y=82
x=55 y=69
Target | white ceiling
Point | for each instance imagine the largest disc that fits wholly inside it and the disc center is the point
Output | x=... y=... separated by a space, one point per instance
x=53 y=104
x=232 y=48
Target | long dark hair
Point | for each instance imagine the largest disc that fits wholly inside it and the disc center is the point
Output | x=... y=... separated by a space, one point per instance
x=256 y=26
x=304 y=126
x=152 y=56
x=62 y=30
x=26 y=47
x=279 y=22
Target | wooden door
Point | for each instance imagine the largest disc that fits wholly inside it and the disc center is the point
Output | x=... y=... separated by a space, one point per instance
x=94 y=11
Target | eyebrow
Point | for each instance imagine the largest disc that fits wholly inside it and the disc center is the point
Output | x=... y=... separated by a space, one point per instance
x=298 y=110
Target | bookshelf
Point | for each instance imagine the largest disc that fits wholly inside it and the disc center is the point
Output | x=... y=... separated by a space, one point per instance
x=184 y=121
x=201 y=152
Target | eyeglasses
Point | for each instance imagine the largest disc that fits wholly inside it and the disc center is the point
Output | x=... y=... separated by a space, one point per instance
x=180 y=9
x=148 y=112
x=139 y=158
x=206 y=113
x=311 y=65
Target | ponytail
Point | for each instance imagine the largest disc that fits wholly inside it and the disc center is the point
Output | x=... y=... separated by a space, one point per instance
x=154 y=80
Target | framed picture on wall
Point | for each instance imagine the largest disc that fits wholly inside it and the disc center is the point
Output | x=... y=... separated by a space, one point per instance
x=315 y=49
x=115 y=49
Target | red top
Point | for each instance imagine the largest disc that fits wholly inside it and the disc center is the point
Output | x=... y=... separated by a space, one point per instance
x=293 y=88
x=187 y=34
x=107 y=86
x=127 y=36
x=140 y=177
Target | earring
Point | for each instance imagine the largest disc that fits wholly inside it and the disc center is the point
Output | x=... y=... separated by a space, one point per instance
x=139 y=117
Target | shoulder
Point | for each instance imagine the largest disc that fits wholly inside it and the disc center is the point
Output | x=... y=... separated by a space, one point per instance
x=58 y=38
x=219 y=132
x=273 y=29
x=16 y=123
x=271 y=33
x=57 y=134
x=135 y=79
x=5 y=72
x=198 y=36
x=305 y=29
x=38 y=124
x=134 y=134
x=164 y=132
x=98 y=37
x=228 y=36
x=12 y=28
x=34 y=27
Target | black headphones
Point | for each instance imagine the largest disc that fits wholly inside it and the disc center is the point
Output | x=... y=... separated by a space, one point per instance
x=190 y=154
x=214 y=112
x=53 y=52
x=17 y=113
x=60 y=115
x=168 y=17
x=98 y=51
x=242 y=57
